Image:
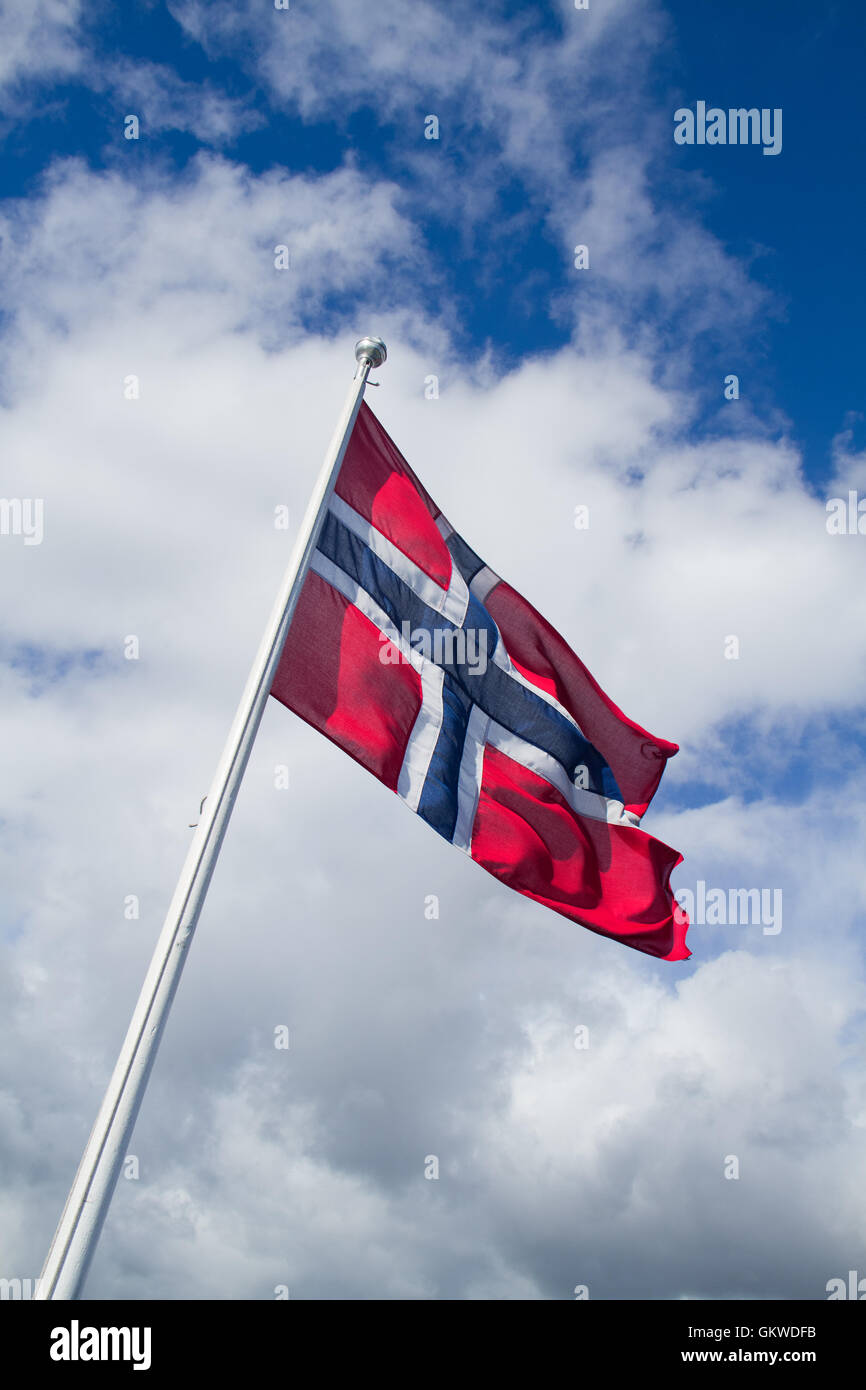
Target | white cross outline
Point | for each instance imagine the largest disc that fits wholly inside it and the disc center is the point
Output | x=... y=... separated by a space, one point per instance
x=482 y=730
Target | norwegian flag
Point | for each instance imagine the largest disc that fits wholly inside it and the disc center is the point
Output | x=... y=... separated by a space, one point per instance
x=410 y=654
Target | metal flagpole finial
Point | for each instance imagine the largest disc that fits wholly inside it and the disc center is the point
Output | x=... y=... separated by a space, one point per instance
x=371 y=350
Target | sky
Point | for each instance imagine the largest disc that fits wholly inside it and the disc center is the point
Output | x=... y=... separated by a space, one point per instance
x=165 y=390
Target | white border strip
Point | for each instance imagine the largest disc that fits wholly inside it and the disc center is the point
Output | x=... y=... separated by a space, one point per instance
x=480 y=731
x=452 y=602
x=580 y=799
x=425 y=731
x=469 y=778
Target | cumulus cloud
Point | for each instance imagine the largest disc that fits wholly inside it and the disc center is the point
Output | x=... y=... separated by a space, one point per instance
x=560 y=119
x=38 y=41
x=410 y=1038
x=203 y=249
x=164 y=101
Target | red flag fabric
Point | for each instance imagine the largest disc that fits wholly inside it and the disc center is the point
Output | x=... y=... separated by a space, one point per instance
x=413 y=656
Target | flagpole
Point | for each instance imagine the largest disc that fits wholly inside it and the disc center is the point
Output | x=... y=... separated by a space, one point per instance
x=86 y=1207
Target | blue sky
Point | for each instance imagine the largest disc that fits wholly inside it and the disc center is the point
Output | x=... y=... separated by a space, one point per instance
x=805 y=210
x=153 y=259
x=794 y=219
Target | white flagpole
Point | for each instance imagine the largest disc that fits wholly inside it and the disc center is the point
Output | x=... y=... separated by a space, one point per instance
x=87 y=1204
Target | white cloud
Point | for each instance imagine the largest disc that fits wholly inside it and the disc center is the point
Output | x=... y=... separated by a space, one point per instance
x=201 y=252
x=37 y=41
x=409 y=1037
x=163 y=101
x=563 y=115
